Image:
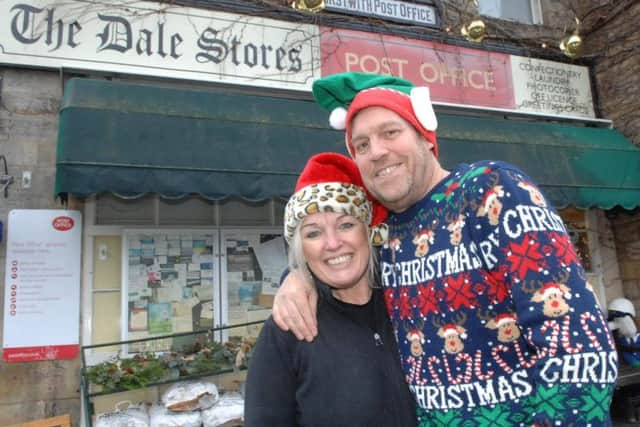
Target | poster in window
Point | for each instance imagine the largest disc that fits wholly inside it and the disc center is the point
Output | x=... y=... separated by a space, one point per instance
x=138 y=319
x=254 y=262
x=160 y=318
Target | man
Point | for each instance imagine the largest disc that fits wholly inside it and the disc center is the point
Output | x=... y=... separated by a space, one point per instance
x=495 y=322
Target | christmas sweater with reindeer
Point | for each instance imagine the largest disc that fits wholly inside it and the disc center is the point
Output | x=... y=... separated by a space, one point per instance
x=495 y=320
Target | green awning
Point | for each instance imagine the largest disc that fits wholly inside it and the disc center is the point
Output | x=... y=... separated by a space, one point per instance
x=574 y=165
x=133 y=139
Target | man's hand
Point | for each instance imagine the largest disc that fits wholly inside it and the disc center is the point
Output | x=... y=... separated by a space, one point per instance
x=294 y=307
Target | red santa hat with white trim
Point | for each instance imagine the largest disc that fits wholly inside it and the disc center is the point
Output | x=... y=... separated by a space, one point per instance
x=503 y=318
x=490 y=196
x=550 y=288
x=345 y=94
x=451 y=329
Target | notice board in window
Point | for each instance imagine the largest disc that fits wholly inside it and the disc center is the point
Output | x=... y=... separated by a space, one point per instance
x=170 y=282
x=253 y=261
x=42 y=285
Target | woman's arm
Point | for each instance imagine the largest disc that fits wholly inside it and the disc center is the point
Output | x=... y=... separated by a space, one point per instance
x=271 y=380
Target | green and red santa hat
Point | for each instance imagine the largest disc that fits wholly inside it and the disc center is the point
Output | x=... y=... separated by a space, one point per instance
x=345 y=94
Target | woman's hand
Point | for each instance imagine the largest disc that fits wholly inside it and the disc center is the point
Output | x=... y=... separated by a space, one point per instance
x=294 y=307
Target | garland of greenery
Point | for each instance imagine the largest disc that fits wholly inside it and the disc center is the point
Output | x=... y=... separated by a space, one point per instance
x=119 y=374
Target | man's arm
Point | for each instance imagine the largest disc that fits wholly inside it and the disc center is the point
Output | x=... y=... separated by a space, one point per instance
x=294 y=307
x=557 y=310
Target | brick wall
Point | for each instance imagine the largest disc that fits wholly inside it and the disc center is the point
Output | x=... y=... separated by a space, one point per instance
x=617 y=70
x=627 y=232
x=614 y=47
x=29 y=106
x=611 y=45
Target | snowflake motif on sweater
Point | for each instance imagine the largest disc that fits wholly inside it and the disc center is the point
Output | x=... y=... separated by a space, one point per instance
x=496 y=323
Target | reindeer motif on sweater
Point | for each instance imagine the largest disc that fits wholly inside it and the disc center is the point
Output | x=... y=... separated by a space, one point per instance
x=503 y=324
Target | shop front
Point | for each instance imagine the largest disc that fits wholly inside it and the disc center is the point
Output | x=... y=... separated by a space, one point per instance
x=151 y=161
x=180 y=149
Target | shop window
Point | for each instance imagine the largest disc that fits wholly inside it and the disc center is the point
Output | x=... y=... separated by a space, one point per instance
x=187 y=211
x=190 y=211
x=174 y=266
x=240 y=212
x=187 y=280
x=113 y=210
x=576 y=224
x=523 y=11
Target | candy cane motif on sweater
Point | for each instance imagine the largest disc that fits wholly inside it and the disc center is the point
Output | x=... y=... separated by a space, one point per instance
x=587 y=330
x=499 y=360
x=477 y=367
x=430 y=361
x=414 y=376
x=565 y=339
x=553 y=345
x=447 y=369
x=467 y=370
x=525 y=363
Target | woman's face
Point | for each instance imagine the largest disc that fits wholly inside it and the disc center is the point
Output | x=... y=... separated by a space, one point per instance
x=335 y=246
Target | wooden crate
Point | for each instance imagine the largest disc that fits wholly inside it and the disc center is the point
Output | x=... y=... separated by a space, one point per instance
x=60 y=421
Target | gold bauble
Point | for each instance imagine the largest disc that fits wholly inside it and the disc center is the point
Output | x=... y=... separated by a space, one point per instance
x=572 y=46
x=474 y=31
x=312 y=6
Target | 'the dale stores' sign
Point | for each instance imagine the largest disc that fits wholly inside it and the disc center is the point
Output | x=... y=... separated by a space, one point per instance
x=159 y=39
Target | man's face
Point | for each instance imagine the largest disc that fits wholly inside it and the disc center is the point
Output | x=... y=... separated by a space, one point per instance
x=396 y=162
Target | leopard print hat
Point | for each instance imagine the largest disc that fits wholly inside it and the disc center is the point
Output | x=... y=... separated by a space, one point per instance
x=331 y=182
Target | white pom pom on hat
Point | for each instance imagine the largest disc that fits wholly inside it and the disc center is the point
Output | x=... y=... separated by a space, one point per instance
x=422 y=107
x=338 y=118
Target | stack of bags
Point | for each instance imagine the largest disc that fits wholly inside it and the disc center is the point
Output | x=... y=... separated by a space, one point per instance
x=186 y=404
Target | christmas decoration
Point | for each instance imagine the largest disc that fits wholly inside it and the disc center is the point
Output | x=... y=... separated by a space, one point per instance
x=571 y=45
x=312 y=6
x=475 y=31
x=143 y=369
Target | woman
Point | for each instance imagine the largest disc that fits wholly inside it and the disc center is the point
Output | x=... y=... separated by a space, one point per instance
x=350 y=374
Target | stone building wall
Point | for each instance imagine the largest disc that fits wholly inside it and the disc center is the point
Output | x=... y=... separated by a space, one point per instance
x=615 y=49
x=612 y=41
x=29 y=107
x=627 y=231
x=606 y=259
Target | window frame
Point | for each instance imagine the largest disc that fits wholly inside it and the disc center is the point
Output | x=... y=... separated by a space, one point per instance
x=535 y=9
x=268 y=224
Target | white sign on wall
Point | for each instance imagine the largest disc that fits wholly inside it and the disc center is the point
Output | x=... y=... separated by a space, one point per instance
x=549 y=87
x=392 y=10
x=159 y=39
x=42 y=285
